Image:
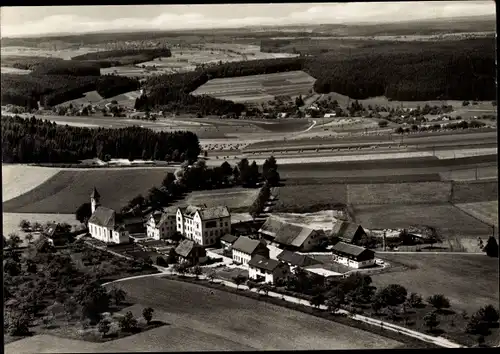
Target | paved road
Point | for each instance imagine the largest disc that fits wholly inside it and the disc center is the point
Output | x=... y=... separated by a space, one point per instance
x=395 y=328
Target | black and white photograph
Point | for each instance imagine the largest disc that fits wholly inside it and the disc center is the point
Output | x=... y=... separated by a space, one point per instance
x=249 y=177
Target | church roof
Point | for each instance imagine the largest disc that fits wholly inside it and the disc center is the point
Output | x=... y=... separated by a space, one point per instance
x=103 y=216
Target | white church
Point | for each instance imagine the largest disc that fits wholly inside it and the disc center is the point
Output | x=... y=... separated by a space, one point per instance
x=105 y=224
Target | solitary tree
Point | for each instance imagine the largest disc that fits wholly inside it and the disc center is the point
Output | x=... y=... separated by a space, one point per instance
x=318 y=300
x=415 y=300
x=211 y=276
x=335 y=300
x=147 y=313
x=83 y=213
x=431 y=321
x=104 y=327
x=439 y=302
x=14 y=240
x=488 y=314
x=118 y=295
x=197 y=271
x=128 y=323
x=24 y=225
x=491 y=247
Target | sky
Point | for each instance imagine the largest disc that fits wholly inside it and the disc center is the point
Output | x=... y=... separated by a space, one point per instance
x=39 y=20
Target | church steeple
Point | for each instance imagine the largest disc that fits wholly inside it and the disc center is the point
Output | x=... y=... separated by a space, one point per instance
x=95 y=198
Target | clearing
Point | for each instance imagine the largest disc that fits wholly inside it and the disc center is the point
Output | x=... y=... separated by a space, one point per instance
x=258 y=88
x=487 y=212
x=448 y=274
x=91 y=97
x=66 y=190
x=219 y=318
x=19 y=179
x=233 y=198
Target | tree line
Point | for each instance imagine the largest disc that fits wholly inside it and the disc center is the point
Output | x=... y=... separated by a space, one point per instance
x=121 y=57
x=36 y=141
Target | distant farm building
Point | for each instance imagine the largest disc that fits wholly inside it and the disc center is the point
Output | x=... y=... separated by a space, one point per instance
x=295 y=260
x=353 y=256
x=57 y=235
x=190 y=252
x=349 y=232
x=267 y=270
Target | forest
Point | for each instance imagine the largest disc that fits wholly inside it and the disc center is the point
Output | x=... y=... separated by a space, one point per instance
x=26 y=62
x=50 y=90
x=106 y=59
x=33 y=140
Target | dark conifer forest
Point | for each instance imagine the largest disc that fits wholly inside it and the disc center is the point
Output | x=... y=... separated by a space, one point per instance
x=34 y=140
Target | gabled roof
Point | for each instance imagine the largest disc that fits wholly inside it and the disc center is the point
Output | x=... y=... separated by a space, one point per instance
x=264 y=263
x=190 y=210
x=271 y=226
x=185 y=248
x=348 y=249
x=229 y=238
x=292 y=235
x=345 y=230
x=52 y=229
x=95 y=194
x=206 y=213
x=296 y=259
x=246 y=245
x=103 y=216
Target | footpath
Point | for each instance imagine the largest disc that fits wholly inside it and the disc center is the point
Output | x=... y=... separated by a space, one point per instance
x=442 y=342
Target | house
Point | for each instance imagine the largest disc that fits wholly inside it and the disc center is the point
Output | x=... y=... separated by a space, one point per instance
x=349 y=232
x=291 y=236
x=105 y=224
x=190 y=252
x=205 y=226
x=353 y=256
x=57 y=234
x=330 y=115
x=162 y=225
x=227 y=241
x=295 y=260
x=245 y=248
x=268 y=270
x=323 y=272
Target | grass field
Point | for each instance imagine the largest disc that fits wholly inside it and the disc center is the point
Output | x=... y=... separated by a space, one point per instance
x=67 y=190
x=487 y=212
x=256 y=88
x=19 y=179
x=7 y=70
x=474 y=191
x=233 y=198
x=309 y=198
x=91 y=97
x=446 y=218
x=223 y=316
x=469 y=281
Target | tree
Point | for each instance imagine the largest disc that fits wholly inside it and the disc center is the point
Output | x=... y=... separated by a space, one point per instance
x=335 y=299
x=29 y=238
x=377 y=305
x=477 y=325
x=18 y=324
x=383 y=124
x=147 y=313
x=431 y=321
x=11 y=267
x=392 y=295
x=415 y=300
x=118 y=295
x=180 y=268
x=168 y=180
x=211 y=275
x=128 y=323
x=491 y=247
x=31 y=266
x=439 y=302
x=265 y=288
x=94 y=300
x=488 y=314
x=238 y=280
x=197 y=271
x=318 y=300
x=172 y=257
x=83 y=213
x=104 y=327
x=14 y=240
x=24 y=225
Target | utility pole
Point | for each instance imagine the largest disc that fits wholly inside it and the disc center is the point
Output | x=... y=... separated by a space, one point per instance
x=384 y=241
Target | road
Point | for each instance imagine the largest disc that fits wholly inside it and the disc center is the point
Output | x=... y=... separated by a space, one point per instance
x=389 y=326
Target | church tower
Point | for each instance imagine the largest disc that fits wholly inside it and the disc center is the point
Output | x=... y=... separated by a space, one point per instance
x=94 y=200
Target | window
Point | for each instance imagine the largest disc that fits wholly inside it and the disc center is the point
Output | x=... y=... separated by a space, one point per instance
x=211 y=224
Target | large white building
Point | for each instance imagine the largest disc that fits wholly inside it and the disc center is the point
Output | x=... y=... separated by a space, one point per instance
x=104 y=223
x=245 y=248
x=353 y=256
x=162 y=225
x=205 y=226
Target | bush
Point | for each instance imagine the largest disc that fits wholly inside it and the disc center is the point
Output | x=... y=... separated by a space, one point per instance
x=383 y=123
x=128 y=323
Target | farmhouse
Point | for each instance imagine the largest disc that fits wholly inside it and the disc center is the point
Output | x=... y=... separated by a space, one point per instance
x=190 y=252
x=268 y=270
x=56 y=234
x=295 y=260
x=353 y=256
x=161 y=225
x=227 y=241
x=349 y=232
x=245 y=248
x=290 y=236
x=105 y=224
x=205 y=226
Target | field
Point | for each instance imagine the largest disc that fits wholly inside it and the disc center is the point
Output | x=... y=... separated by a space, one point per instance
x=487 y=212
x=448 y=274
x=320 y=220
x=310 y=198
x=447 y=219
x=7 y=70
x=41 y=52
x=258 y=88
x=19 y=179
x=233 y=198
x=68 y=189
x=91 y=97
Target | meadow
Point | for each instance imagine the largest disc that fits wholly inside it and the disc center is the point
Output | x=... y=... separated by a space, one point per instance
x=234 y=198
x=258 y=88
x=487 y=212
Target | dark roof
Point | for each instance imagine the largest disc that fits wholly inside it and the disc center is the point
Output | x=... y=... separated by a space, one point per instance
x=185 y=248
x=246 y=245
x=206 y=213
x=95 y=194
x=103 y=216
x=349 y=249
x=296 y=259
x=292 y=235
x=261 y=262
x=271 y=226
x=345 y=230
x=229 y=238
x=52 y=229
